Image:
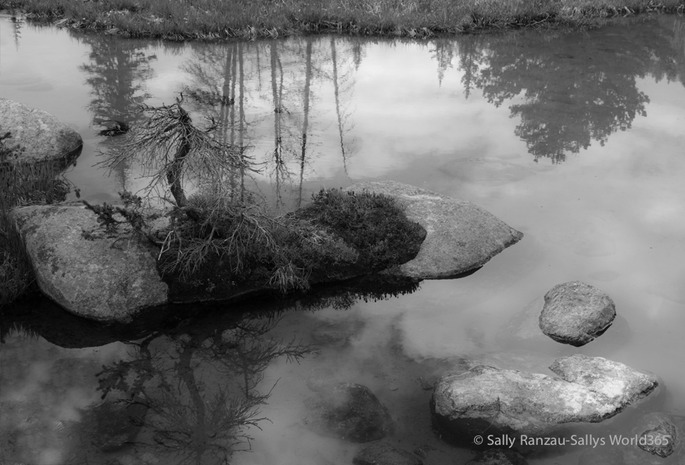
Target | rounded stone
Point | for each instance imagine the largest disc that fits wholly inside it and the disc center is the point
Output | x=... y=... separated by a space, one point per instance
x=576 y=313
x=36 y=136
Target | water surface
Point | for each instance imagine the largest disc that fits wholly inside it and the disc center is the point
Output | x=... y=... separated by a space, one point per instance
x=574 y=138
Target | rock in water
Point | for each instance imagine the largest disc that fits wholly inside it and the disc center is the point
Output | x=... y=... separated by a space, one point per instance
x=84 y=270
x=485 y=398
x=576 y=313
x=37 y=136
x=350 y=411
x=658 y=435
x=461 y=237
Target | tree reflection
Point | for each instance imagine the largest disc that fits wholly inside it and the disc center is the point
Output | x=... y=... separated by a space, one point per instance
x=117 y=71
x=201 y=390
x=226 y=85
x=191 y=388
x=567 y=89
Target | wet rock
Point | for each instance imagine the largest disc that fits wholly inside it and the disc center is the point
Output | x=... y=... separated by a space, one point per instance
x=576 y=313
x=36 y=136
x=89 y=273
x=658 y=435
x=349 y=411
x=382 y=453
x=461 y=237
x=498 y=457
x=587 y=389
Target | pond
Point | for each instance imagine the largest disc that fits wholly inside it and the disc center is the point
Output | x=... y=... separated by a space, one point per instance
x=573 y=137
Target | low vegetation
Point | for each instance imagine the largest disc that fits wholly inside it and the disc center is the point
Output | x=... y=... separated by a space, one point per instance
x=221 y=240
x=221 y=19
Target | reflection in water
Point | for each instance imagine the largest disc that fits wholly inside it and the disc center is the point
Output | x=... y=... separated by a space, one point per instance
x=201 y=393
x=189 y=391
x=567 y=90
x=117 y=71
x=573 y=88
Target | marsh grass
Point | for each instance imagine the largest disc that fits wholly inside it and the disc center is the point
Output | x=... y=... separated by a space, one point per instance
x=221 y=19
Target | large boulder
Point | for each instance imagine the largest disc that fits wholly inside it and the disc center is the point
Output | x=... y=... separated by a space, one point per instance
x=88 y=272
x=576 y=313
x=36 y=136
x=461 y=237
x=485 y=398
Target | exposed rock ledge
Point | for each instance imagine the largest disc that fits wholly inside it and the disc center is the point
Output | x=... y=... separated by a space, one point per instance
x=38 y=136
x=461 y=237
x=485 y=398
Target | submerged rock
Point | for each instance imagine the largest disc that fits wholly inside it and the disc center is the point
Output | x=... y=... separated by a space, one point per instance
x=658 y=435
x=89 y=273
x=485 y=398
x=382 y=453
x=36 y=136
x=111 y=426
x=461 y=237
x=576 y=313
x=350 y=411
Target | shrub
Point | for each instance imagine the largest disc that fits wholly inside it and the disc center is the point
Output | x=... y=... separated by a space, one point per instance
x=373 y=224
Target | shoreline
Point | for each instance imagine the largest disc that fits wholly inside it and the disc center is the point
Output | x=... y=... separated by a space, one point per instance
x=216 y=20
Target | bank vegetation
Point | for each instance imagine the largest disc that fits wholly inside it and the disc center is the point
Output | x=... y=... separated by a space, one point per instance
x=224 y=19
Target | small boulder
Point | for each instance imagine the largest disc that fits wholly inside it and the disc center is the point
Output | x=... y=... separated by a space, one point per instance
x=382 y=453
x=498 y=457
x=461 y=237
x=576 y=313
x=91 y=274
x=485 y=398
x=36 y=136
x=350 y=411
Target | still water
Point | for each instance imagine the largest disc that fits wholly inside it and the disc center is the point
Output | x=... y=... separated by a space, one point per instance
x=574 y=138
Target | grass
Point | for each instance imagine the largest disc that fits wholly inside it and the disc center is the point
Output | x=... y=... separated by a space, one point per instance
x=222 y=19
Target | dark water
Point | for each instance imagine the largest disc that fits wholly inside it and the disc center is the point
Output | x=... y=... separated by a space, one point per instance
x=574 y=138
